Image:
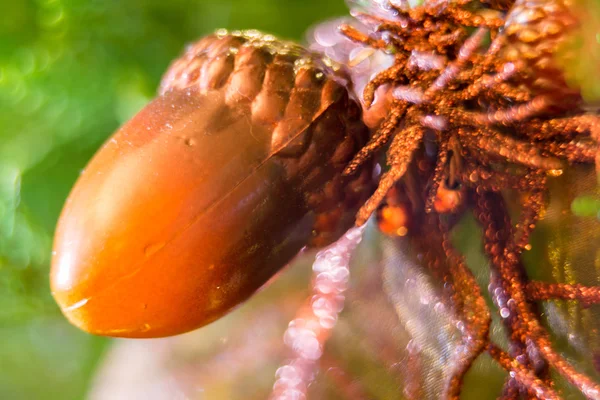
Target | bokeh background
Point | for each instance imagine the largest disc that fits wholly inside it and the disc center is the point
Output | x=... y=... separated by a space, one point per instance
x=72 y=71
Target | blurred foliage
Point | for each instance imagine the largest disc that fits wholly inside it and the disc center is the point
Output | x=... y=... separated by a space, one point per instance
x=586 y=206
x=71 y=71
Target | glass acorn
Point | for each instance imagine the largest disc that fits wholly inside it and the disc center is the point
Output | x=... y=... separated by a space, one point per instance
x=211 y=189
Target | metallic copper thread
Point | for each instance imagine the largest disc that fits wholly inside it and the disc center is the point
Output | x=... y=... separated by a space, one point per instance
x=491 y=213
x=522 y=375
x=516 y=124
x=540 y=291
x=488 y=77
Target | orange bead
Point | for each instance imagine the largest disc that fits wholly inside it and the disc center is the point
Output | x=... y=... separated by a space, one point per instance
x=448 y=200
x=189 y=209
x=393 y=220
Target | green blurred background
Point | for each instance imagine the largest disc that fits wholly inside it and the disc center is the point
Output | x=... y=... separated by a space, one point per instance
x=72 y=71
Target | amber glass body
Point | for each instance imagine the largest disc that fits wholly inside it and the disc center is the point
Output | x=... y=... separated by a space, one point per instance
x=210 y=190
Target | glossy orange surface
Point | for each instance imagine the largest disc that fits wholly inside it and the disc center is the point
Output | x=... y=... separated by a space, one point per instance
x=209 y=190
x=169 y=227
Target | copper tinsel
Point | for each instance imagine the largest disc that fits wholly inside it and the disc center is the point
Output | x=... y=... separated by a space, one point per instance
x=476 y=103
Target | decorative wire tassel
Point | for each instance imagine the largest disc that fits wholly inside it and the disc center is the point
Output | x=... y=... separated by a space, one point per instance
x=307 y=333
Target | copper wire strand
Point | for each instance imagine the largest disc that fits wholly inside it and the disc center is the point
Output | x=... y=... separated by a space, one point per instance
x=489 y=81
x=390 y=75
x=521 y=374
x=515 y=113
x=541 y=291
x=474 y=311
x=511 y=150
x=511 y=136
x=400 y=154
x=481 y=176
x=464 y=53
x=531 y=208
x=469 y=306
x=380 y=138
x=504 y=258
x=518 y=348
x=359 y=37
x=566 y=128
x=574 y=151
x=438 y=175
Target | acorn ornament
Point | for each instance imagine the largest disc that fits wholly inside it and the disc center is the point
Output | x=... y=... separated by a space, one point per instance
x=211 y=189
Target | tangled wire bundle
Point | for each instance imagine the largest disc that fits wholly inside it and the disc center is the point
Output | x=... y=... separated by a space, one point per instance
x=475 y=104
